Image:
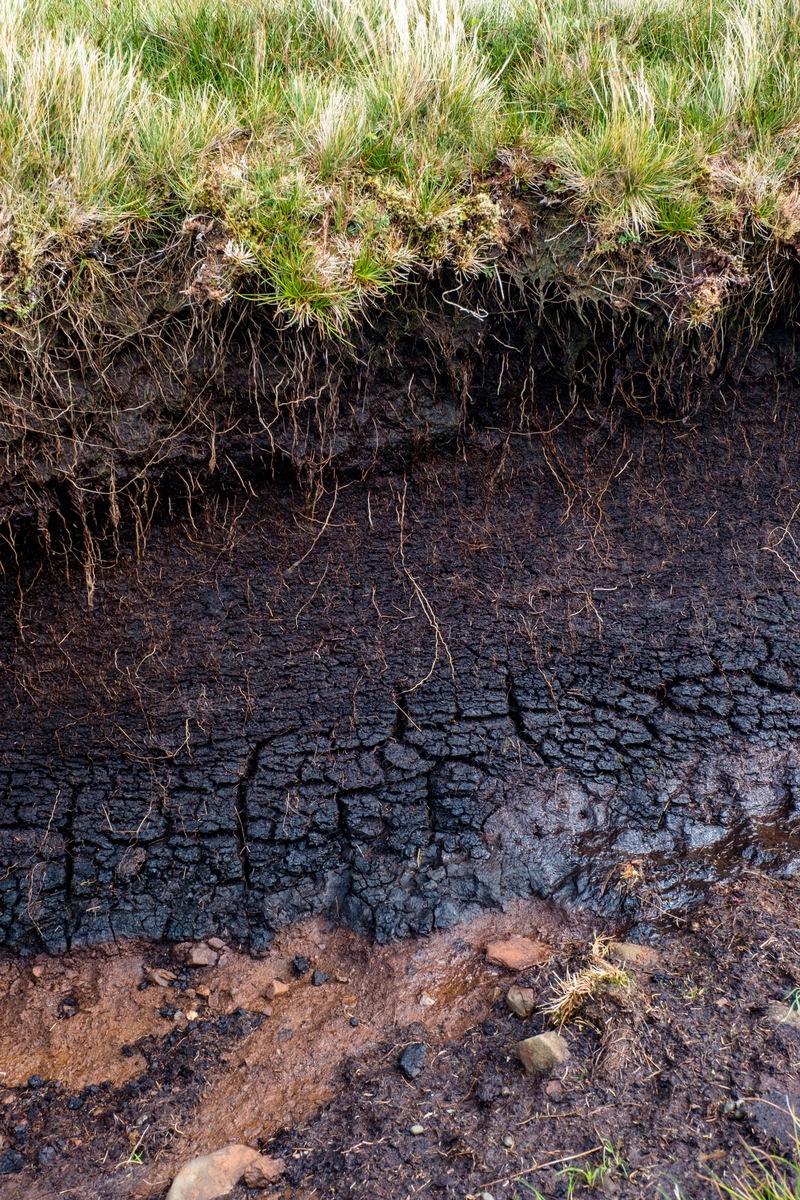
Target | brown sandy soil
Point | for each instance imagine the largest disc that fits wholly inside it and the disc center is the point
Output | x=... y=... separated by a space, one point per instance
x=674 y=1075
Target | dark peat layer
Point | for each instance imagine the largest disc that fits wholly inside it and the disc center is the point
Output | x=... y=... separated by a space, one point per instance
x=556 y=659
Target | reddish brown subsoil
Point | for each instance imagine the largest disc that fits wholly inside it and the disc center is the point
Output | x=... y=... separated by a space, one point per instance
x=678 y=1075
x=86 y=1021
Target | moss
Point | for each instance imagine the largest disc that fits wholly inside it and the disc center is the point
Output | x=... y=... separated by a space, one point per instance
x=467 y=233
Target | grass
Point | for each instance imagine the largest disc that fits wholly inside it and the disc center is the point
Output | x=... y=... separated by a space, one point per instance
x=338 y=145
x=571 y=994
x=595 y=1176
x=766 y=1177
x=296 y=162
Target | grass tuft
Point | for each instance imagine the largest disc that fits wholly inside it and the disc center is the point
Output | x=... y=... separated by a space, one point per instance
x=572 y=993
x=766 y=1177
x=341 y=143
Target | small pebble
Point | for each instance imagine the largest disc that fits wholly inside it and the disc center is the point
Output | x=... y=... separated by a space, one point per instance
x=487 y=1196
x=508 y=1141
x=318 y=978
x=417 y=1130
x=506 y=1091
x=300 y=965
x=354 y=1021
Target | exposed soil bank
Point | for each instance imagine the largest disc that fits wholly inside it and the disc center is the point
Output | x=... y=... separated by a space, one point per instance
x=677 y=1072
x=560 y=664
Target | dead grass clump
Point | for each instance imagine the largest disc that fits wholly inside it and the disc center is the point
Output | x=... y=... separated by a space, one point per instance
x=573 y=993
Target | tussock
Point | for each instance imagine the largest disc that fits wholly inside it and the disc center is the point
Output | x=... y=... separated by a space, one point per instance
x=277 y=117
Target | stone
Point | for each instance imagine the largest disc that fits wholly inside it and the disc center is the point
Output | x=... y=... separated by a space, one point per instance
x=263 y=1171
x=300 y=965
x=415 y=1129
x=275 y=988
x=554 y=1090
x=159 y=976
x=782 y=1014
x=318 y=978
x=521 y=1001
x=631 y=954
x=518 y=953
x=212 y=1175
x=202 y=955
x=11 y=1162
x=413 y=1060
x=216 y=943
x=543 y=1052
x=426 y=1001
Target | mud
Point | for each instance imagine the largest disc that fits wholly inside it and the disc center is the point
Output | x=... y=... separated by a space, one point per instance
x=241 y=1065
x=681 y=1075
x=561 y=658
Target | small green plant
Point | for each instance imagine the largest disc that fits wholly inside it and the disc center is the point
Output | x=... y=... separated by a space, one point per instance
x=793 y=999
x=531 y=1192
x=136 y=1156
x=594 y=1176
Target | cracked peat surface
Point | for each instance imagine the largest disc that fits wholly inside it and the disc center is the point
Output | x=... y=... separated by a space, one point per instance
x=541 y=667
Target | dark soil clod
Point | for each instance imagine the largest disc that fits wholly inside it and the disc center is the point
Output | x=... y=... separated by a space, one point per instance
x=413 y=1060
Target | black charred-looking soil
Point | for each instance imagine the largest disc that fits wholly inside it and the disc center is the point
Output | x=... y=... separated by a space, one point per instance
x=557 y=651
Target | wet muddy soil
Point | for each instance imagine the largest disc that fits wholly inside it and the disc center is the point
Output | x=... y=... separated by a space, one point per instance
x=109 y=1088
